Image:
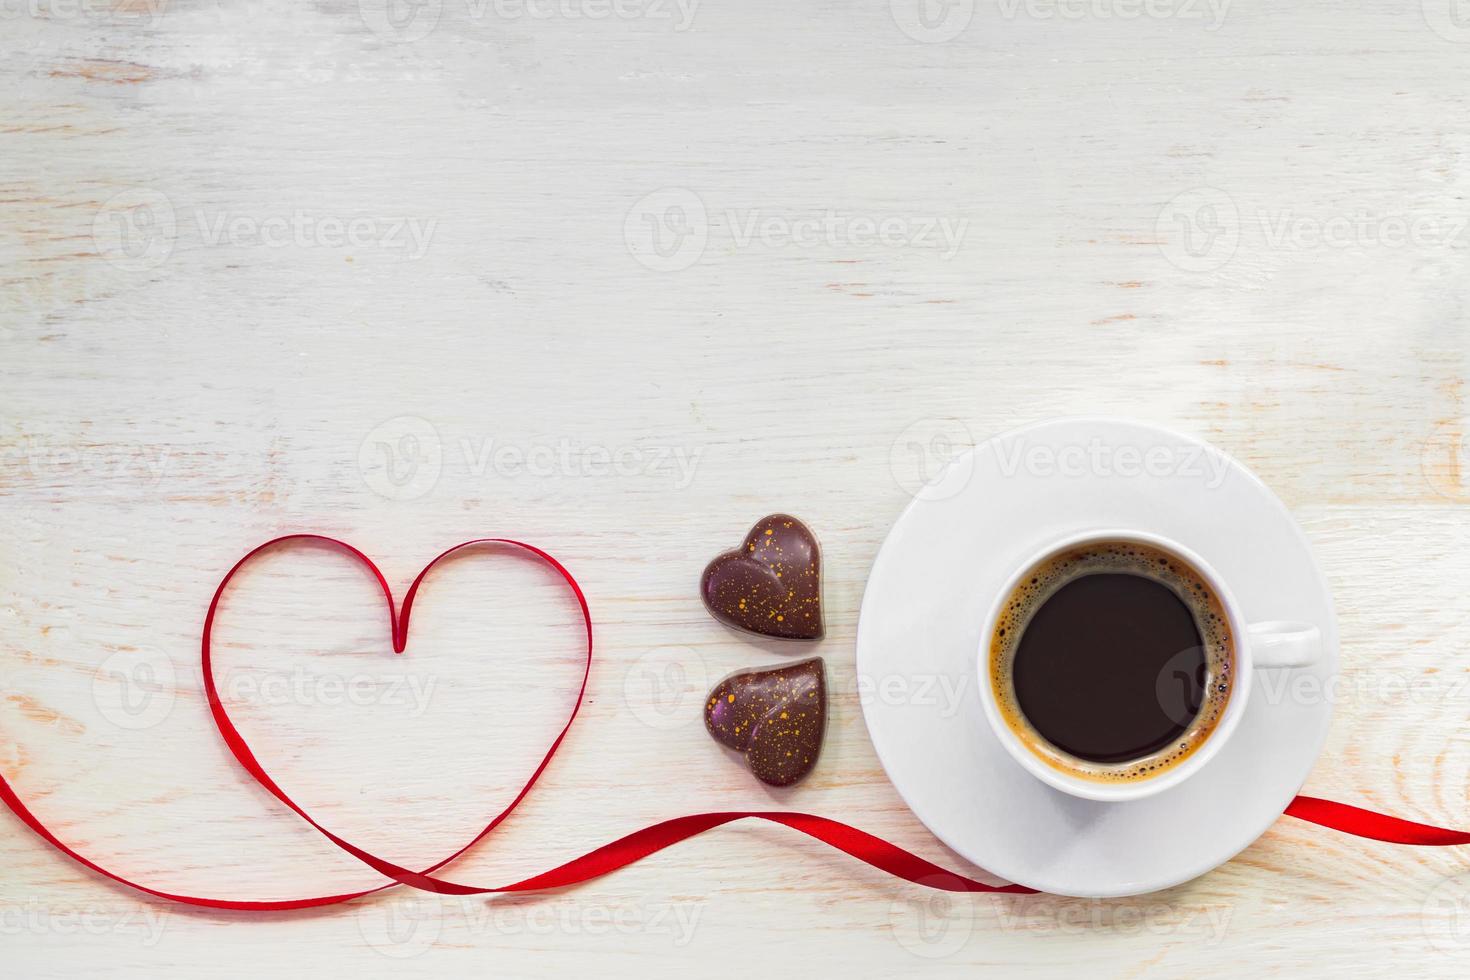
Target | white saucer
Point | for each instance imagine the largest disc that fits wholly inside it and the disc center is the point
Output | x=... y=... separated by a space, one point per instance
x=919 y=637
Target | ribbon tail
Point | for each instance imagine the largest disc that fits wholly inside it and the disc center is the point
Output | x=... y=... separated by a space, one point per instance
x=1374 y=826
x=873 y=851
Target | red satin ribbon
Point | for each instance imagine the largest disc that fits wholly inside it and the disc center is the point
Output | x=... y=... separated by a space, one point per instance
x=626 y=850
x=1374 y=826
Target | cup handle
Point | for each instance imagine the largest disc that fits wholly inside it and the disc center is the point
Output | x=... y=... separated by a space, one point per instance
x=1279 y=643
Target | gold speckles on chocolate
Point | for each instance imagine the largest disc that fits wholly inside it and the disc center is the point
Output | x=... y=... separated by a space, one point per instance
x=771 y=584
x=776 y=717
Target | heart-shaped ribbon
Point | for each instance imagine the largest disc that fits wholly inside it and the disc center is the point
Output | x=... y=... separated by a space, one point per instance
x=865 y=847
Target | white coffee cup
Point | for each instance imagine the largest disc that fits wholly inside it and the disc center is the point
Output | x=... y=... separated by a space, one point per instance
x=1269 y=645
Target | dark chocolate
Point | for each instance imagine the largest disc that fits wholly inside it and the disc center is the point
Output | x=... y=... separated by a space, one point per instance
x=777 y=717
x=771 y=584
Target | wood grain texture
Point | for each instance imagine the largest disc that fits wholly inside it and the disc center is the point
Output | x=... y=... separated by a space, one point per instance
x=619 y=279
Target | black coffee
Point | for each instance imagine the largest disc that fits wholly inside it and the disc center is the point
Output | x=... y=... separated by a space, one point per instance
x=1113 y=660
x=1087 y=667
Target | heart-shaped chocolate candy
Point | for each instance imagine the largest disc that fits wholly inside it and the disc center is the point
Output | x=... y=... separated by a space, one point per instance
x=771 y=584
x=777 y=717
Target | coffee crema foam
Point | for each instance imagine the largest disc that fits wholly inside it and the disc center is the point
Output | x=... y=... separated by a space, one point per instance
x=1044 y=579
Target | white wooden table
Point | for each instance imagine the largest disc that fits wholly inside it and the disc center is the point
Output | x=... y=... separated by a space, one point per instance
x=618 y=278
